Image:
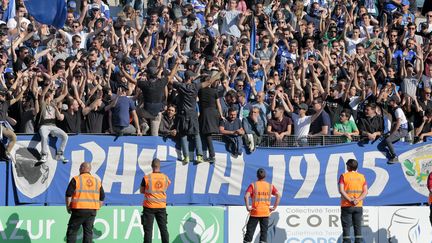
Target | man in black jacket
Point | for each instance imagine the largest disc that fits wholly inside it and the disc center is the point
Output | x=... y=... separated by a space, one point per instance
x=371 y=126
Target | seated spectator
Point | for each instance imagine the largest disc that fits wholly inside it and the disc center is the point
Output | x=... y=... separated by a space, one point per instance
x=345 y=127
x=280 y=125
x=425 y=128
x=399 y=129
x=121 y=108
x=167 y=126
x=253 y=126
x=232 y=131
x=371 y=126
x=49 y=114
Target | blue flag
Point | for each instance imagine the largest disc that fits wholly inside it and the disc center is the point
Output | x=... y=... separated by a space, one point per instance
x=253 y=36
x=10 y=11
x=50 y=12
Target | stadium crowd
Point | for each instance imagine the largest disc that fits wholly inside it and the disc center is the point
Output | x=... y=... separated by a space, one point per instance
x=189 y=69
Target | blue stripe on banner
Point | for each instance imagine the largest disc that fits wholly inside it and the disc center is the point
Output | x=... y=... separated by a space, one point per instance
x=304 y=176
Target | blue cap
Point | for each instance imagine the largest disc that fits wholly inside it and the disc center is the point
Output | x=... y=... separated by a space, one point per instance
x=72 y=4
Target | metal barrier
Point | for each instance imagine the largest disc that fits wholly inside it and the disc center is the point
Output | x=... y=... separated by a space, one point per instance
x=293 y=141
x=288 y=141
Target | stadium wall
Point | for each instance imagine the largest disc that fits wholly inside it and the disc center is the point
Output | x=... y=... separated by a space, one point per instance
x=205 y=224
x=304 y=176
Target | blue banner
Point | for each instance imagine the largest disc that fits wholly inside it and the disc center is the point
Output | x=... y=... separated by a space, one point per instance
x=304 y=176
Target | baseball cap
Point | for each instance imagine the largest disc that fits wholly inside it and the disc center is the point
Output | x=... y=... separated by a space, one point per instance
x=95 y=6
x=427 y=90
x=72 y=4
x=303 y=106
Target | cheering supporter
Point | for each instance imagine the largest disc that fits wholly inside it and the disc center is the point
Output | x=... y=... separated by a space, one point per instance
x=121 y=73
x=321 y=126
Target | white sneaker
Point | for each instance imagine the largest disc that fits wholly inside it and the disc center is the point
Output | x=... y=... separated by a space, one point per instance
x=43 y=158
x=61 y=157
x=8 y=156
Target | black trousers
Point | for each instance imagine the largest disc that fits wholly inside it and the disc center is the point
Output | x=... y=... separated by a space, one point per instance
x=351 y=216
x=85 y=218
x=251 y=226
x=147 y=219
x=208 y=144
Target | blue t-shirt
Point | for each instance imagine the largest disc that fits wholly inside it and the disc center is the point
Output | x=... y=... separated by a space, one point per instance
x=120 y=113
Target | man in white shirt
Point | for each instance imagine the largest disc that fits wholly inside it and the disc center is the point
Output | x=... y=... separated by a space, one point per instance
x=302 y=123
x=12 y=23
x=399 y=129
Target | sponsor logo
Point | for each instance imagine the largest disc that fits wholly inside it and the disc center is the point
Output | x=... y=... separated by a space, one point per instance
x=404 y=227
x=417 y=164
x=194 y=229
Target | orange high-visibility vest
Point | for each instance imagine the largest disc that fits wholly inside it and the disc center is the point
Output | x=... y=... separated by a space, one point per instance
x=353 y=185
x=156 y=185
x=87 y=191
x=261 y=199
